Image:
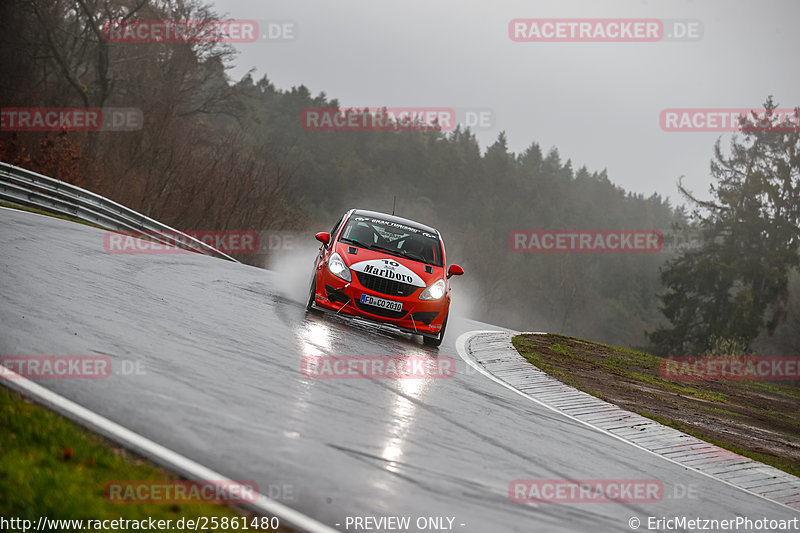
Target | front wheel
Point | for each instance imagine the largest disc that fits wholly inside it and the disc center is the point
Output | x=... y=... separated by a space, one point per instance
x=436 y=341
x=312 y=294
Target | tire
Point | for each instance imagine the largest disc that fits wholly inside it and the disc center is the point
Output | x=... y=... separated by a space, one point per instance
x=311 y=294
x=435 y=342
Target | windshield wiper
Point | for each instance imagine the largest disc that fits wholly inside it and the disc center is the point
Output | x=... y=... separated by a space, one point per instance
x=416 y=257
x=362 y=245
x=400 y=253
x=382 y=249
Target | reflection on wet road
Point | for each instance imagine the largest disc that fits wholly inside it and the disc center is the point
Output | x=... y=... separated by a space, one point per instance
x=222 y=346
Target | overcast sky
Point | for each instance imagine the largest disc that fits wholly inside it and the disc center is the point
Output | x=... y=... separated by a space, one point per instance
x=598 y=103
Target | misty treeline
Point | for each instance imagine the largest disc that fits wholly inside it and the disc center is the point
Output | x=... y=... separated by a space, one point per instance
x=220 y=154
x=741 y=286
x=184 y=166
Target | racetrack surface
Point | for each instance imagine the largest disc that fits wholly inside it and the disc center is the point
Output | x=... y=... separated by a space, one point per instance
x=220 y=345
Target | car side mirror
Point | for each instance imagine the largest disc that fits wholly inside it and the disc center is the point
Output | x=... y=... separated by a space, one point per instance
x=454 y=270
x=324 y=237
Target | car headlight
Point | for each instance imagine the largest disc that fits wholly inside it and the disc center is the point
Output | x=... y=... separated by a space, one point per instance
x=433 y=292
x=338 y=268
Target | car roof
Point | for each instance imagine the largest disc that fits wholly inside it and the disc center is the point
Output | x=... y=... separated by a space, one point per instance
x=395 y=219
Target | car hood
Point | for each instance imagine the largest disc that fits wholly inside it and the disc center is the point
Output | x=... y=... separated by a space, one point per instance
x=389 y=266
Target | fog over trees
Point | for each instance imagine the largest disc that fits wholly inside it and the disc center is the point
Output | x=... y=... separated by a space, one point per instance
x=217 y=153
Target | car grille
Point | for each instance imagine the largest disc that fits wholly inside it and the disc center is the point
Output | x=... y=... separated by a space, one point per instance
x=379 y=311
x=385 y=286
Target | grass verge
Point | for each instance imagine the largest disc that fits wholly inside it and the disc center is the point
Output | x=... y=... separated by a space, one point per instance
x=756 y=419
x=47 y=213
x=51 y=467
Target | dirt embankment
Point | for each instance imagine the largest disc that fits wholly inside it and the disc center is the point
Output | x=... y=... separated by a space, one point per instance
x=760 y=420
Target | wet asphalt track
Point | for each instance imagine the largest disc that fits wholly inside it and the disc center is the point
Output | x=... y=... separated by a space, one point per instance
x=221 y=348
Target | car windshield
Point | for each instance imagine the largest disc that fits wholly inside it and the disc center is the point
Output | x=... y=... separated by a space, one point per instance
x=393 y=238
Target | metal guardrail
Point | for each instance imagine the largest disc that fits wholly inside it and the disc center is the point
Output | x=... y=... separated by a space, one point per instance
x=30 y=189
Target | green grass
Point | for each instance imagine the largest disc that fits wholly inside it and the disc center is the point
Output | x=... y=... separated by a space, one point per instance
x=71 y=219
x=771 y=460
x=47 y=213
x=774 y=388
x=560 y=348
x=51 y=467
x=536 y=359
x=711 y=396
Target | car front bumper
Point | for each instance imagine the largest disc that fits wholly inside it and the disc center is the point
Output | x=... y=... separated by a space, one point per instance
x=418 y=316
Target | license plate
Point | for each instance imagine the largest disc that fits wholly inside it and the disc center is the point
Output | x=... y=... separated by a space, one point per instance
x=381 y=302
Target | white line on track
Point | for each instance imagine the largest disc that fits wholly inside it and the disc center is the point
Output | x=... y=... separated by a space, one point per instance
x=152 y=450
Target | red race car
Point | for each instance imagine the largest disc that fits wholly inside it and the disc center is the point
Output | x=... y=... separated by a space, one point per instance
x=386 y=269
